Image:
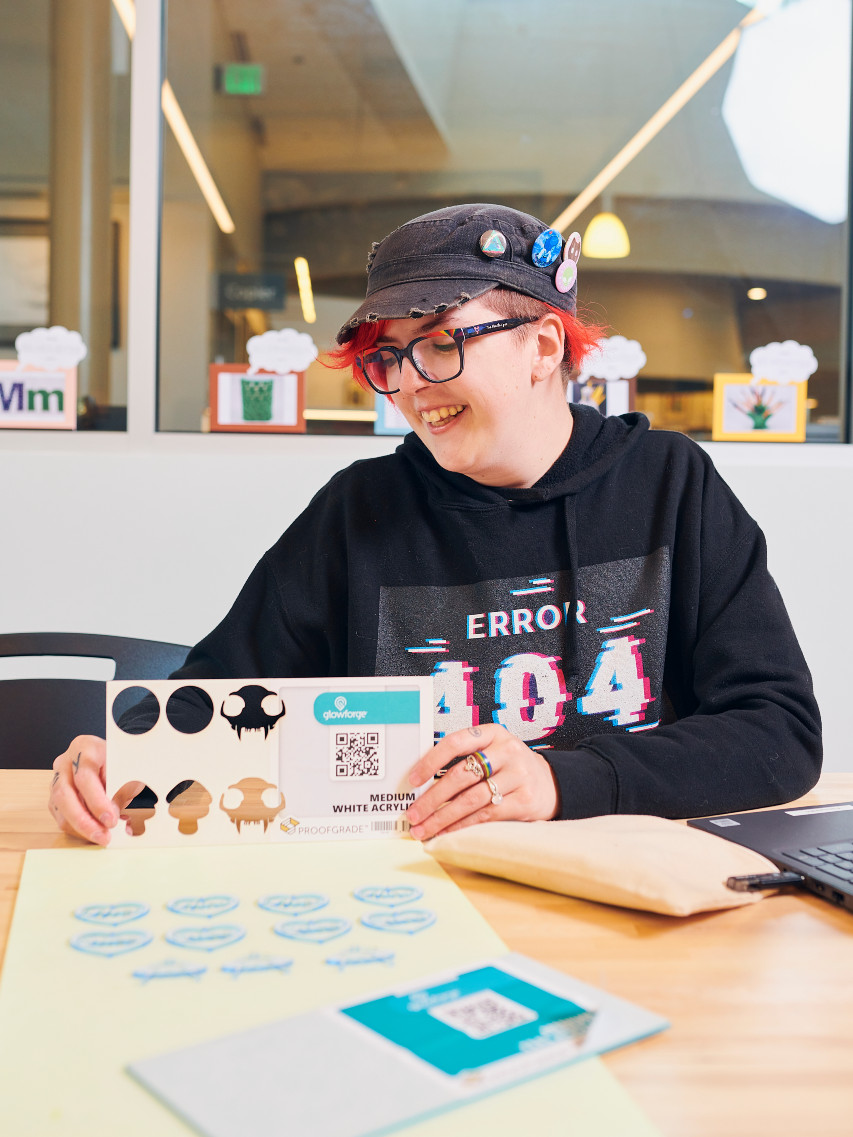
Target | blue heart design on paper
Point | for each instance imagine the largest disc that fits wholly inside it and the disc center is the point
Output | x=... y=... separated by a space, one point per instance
x=359 y=955
x=111 y=943
x=208 y=938
x=111 y=915
x=390 y=896
x=313 y=931
x=407 y=921
x=204 y=906
x=293 y=904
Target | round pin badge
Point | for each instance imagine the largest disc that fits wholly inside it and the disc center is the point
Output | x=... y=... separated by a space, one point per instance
x=567 y=274
x=547 y=248
x=572 y=250
x=493 y=243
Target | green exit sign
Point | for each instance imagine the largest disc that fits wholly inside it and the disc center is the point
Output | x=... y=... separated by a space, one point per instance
x=241 y=78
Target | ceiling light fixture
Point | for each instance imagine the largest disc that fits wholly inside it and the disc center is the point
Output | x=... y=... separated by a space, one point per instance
x=693 y=83
x=126 y=11
x=757 y=293
x=606 y=237
x=306 y=293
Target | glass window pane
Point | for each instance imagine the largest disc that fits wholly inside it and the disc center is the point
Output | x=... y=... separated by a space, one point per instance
x=64 y=164
x=325 y=126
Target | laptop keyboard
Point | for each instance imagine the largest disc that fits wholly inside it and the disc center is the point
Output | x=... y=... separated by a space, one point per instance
x=834 y=860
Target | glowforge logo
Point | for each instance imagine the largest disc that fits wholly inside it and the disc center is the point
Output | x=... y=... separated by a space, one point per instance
x=334 y=708
x=341 y=712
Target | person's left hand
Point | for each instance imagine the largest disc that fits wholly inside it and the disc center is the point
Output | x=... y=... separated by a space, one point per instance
x=523 y=779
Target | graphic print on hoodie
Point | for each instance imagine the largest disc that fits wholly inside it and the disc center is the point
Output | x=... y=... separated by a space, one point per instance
x=517 y=652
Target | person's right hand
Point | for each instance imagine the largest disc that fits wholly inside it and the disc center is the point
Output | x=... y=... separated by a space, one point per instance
x=78 y=800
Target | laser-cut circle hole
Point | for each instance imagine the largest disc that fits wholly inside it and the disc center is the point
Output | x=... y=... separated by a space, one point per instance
x=189 y=710
x=146 y=710
x=188 y=802
x=138 y=804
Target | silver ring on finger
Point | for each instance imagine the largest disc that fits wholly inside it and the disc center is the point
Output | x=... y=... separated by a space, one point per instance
x=472 y=766
x=497 y=796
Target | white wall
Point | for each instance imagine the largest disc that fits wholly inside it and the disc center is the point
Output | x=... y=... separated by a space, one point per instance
x=97 y=535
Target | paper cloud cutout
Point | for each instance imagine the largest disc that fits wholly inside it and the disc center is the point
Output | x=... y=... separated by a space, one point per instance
x=788 y=362
x=281 y=352
x=50 y=349
x=614 y=358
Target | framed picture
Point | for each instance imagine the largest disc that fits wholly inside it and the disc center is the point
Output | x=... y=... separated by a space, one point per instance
x=757 y=410
x=611 y=397
x=36 y=399
x=263 y=403
x=388 y=419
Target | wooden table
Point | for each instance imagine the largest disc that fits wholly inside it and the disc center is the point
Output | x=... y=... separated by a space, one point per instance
x=760 y=998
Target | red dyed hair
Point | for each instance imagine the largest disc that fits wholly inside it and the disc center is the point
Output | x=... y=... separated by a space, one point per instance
x=581 y=337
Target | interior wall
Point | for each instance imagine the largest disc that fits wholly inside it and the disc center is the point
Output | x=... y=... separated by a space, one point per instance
x=157 y=542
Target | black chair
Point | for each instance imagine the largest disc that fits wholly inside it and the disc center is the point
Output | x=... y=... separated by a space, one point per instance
x=39 y=717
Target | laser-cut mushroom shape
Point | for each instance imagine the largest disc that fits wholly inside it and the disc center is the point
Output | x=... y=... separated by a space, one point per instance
x=189 y=805
x=250 y=808
x=137 y=804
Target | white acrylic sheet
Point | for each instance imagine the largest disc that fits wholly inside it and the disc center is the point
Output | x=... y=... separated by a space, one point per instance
x=333 y=766
x=460 y=1044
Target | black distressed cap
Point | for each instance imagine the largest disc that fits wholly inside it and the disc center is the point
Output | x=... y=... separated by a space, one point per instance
x=435 y=262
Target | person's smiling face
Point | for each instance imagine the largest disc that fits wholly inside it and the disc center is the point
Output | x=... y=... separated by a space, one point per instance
x=496 y=422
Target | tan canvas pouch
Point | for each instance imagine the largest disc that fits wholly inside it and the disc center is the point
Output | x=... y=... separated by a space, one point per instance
x=629 y=860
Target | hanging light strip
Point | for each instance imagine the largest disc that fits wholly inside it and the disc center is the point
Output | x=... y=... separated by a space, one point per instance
x=693 y=83
x=126 y=11
x=306 y=293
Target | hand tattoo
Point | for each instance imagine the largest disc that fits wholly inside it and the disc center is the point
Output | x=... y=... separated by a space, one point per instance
x=55 y=778
x=76 y=763
x=475 y=730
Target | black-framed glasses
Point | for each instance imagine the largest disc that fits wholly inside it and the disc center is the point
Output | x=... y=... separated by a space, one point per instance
x=437 y=356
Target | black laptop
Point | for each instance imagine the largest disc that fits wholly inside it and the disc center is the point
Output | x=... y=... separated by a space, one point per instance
x=813 y=840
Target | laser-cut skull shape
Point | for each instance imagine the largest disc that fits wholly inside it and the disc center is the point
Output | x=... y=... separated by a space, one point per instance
x=253 y=716
x=252 y=810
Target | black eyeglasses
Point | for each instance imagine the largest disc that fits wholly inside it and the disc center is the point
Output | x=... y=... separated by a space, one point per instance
x=437 y=356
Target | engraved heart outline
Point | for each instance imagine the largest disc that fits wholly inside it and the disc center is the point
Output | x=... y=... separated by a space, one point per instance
x=313 y=931
x=388 y=895
x=406 y=921
x=111 y=943
x=293 y=903
x=210 y=938
x=203 y=907
x=112 y=915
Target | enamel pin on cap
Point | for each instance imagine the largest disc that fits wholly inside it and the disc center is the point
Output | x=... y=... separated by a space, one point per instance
x=493 y=243
x=567 y=270
x=547 y=248
x=567 y=274
x=572 y=250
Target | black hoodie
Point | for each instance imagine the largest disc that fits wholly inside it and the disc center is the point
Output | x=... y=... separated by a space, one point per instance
x=618 y=617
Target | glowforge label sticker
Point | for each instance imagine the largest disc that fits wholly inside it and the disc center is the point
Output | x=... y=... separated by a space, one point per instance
x=367 y=708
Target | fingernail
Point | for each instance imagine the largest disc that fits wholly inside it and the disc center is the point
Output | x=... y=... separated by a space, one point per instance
x=416 y=831
x=107 y=818
x=414 y=780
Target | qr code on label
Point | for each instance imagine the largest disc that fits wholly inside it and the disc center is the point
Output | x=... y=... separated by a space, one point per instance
x=483 y=1014
x=358 y=754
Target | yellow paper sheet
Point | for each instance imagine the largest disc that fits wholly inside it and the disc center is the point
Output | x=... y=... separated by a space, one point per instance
x=70 y=1022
